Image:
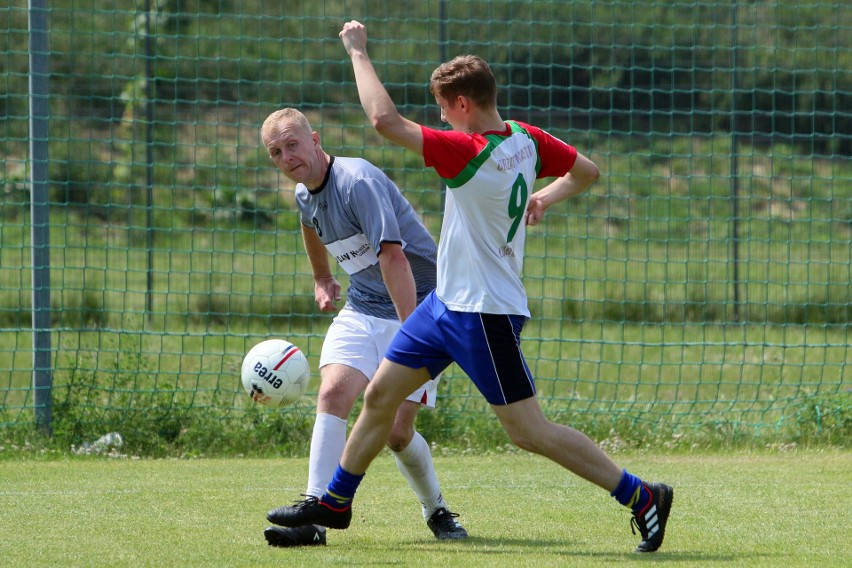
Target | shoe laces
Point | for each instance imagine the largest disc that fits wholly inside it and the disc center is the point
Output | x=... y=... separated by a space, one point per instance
x=635 y=525
x=444 y=518
x=307 y=502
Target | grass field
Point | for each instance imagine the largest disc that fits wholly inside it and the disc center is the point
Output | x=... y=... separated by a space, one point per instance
x=769 y=508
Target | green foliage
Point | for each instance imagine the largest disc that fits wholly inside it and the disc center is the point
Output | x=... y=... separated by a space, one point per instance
x=825 y=418
x=168 y=424
x=632 y=68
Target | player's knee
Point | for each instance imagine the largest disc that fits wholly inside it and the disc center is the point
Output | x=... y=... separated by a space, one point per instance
x=335 y=402
x=525 y=444
x=379 y=399
x=525 y=441
x=398 y=441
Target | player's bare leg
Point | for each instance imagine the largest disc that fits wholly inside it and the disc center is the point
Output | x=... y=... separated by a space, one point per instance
x=340 y=387
x=530 y=430
x=414 y=460
x=650 y=502
x=390 y=386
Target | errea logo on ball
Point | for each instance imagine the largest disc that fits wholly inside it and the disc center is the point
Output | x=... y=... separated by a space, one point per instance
x=275 y=373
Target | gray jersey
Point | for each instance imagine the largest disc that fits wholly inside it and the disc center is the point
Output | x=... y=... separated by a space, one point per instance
x=356 y=209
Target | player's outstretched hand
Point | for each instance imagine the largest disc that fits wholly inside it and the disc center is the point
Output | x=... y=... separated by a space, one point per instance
x=354 y=36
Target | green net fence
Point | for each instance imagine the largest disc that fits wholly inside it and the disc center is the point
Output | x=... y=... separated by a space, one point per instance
x=704 y=283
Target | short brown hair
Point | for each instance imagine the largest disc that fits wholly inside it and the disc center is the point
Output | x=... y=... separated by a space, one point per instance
x=468 y=76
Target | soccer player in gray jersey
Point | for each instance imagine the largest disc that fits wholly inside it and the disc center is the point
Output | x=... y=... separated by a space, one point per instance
x=353 y=212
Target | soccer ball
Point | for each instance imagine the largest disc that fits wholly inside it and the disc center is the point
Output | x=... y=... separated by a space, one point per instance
x=275 y=373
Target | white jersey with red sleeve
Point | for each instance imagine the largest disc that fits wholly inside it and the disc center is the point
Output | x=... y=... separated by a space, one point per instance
x=489 y=179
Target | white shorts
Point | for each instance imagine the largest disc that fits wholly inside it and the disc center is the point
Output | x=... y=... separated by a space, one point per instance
x=360 y=341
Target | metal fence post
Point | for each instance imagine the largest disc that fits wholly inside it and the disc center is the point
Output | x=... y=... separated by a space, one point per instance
x=39 y=207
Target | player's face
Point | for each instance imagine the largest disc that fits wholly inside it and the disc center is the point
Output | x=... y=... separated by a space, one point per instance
x=297 y=153
x=450 y=115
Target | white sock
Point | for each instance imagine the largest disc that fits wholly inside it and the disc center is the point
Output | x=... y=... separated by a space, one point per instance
x=415 y=463
x=327 y=443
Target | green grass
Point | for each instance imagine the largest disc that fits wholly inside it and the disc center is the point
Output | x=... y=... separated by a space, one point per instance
x=770 y=508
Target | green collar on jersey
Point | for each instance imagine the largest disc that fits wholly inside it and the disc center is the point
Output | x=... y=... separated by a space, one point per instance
x=494 y=139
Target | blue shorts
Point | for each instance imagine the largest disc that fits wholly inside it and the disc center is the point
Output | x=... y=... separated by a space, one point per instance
x=486 y=346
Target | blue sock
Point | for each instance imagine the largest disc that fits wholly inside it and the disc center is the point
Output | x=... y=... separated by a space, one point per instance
x=341 y=490
x=631 y=492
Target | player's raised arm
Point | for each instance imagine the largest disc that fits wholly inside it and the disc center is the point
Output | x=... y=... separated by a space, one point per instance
x=375 y=99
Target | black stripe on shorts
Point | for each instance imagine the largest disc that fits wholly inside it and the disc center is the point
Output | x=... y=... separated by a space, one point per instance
x=513 y=375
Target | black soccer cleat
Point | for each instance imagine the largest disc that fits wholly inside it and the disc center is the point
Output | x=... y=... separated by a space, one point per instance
x=284 y=537
x=651 y=521
x=311 y=511
x=445 y=526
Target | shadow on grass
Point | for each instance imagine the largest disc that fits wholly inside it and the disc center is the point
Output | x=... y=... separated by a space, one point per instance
x=489 y=550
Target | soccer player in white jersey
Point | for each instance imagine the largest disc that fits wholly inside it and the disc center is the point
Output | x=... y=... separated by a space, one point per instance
x=352 y=211
x=476 y=314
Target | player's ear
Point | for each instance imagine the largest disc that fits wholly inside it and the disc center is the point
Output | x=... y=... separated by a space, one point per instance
x=315 y=137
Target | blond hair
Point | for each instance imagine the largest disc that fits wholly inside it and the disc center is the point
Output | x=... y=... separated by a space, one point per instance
x=274 y=122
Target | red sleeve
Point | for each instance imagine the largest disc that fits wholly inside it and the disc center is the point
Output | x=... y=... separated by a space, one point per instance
x=449 y=151
x=557 y=157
